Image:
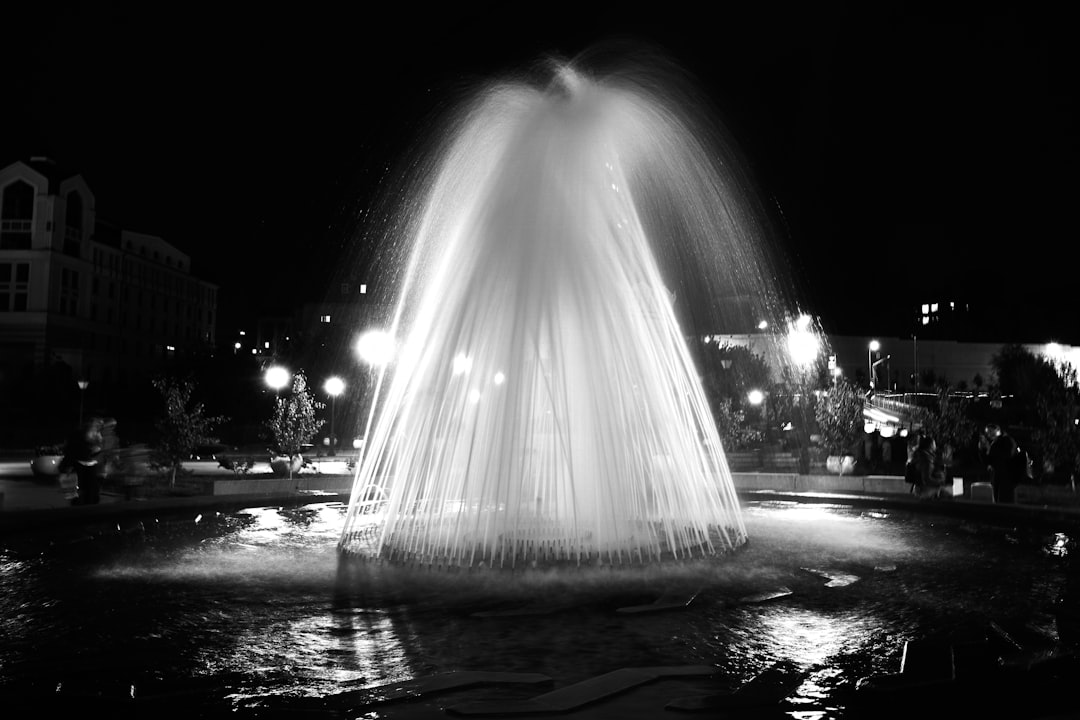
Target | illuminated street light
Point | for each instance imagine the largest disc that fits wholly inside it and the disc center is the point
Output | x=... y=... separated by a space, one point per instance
x=376 y=348
x=803 y=343
x=83 y=384
x=758 y=397
x=277 y=377
x=333 y=386
x=870 y=350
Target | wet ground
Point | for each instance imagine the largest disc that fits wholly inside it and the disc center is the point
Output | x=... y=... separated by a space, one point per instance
x=253 y=613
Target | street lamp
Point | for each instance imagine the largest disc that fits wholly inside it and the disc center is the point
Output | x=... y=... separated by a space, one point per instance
x=333 y=386
x=277 y=377
x=758 y=397
x=375 y=347
x=803 y=343
x=872 y=348
x=83 y=384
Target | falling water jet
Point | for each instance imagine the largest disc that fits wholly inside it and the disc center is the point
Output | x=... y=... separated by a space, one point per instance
x=544 y=408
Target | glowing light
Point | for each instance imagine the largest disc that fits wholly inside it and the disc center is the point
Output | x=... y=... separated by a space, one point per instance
x=376 y=347
x=334 y=386
x=499 y=378
x=755 y=397
x=462 y=364
x=803 y=343
x=474 y=396
x=277 y=377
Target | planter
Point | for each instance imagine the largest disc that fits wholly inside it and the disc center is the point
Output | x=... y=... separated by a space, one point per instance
x=840 y=464
x=282 y=467
x=46 y=466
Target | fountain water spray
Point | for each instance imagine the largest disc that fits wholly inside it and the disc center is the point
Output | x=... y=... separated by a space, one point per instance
x=543 y=406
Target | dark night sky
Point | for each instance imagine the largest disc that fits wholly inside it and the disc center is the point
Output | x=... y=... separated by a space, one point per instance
x=910 y=152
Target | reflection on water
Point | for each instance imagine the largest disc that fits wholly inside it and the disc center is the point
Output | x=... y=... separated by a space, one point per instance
x=255 y=604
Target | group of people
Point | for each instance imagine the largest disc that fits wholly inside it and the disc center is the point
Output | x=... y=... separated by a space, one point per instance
x=927 y=466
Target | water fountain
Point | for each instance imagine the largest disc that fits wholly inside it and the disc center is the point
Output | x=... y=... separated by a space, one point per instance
x=544 y=406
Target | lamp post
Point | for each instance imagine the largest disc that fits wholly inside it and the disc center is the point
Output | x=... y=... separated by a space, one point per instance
x=872 y=348
x=758 y=397
x=915 y=352
x=83 y=384
x=333 y=386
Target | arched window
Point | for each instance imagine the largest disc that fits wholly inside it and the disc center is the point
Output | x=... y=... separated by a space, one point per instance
x=17 y=216
x=73 y=223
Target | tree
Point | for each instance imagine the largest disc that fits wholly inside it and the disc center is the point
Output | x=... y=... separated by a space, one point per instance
x=182 y=428
x=729 y=372
x=293 y=424
x=731 y=424
x=950 y=424
x=838 y=412
x=1056 y=435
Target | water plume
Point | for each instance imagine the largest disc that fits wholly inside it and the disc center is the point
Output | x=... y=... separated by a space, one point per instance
x=544 y=407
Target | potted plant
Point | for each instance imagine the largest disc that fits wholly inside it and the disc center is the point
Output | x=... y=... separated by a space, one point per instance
x=293 y=426
x=839 y=418
x=46 y=461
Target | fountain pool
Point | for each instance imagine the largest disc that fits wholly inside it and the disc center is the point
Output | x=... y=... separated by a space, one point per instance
x=256 y=612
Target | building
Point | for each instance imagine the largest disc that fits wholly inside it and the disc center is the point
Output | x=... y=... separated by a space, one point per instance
x=84 y=301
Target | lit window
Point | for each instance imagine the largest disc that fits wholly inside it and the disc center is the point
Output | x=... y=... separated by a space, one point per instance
x=925 y=309
x=324 y=318
x=925 y=320
x=933 y=307
x=266 y=345
x=363 y=289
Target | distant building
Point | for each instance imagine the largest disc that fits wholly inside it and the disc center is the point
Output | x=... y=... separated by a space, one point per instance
x=112 y=305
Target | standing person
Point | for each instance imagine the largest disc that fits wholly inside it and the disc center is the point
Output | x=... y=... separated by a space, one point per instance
x=84 y=455
x=1000 y=459
x=930 y=472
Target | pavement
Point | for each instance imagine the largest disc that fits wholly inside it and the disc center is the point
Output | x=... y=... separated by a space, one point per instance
x=29 y=501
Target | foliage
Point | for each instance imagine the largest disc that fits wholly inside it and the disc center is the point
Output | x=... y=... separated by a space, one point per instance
x=1041 y=397
x=950 y=423
x=293 y=424
x=729 y=373
x=731 y=423
x=838 y=412
x=1019 y=372
x=182 y=427
x=46 y=450
x=1056 y=437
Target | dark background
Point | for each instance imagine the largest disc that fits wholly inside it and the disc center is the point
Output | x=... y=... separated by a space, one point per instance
x=912 y=154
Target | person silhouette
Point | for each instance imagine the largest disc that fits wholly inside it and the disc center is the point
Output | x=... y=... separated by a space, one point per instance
x=1000 y=455
x=84 y=456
